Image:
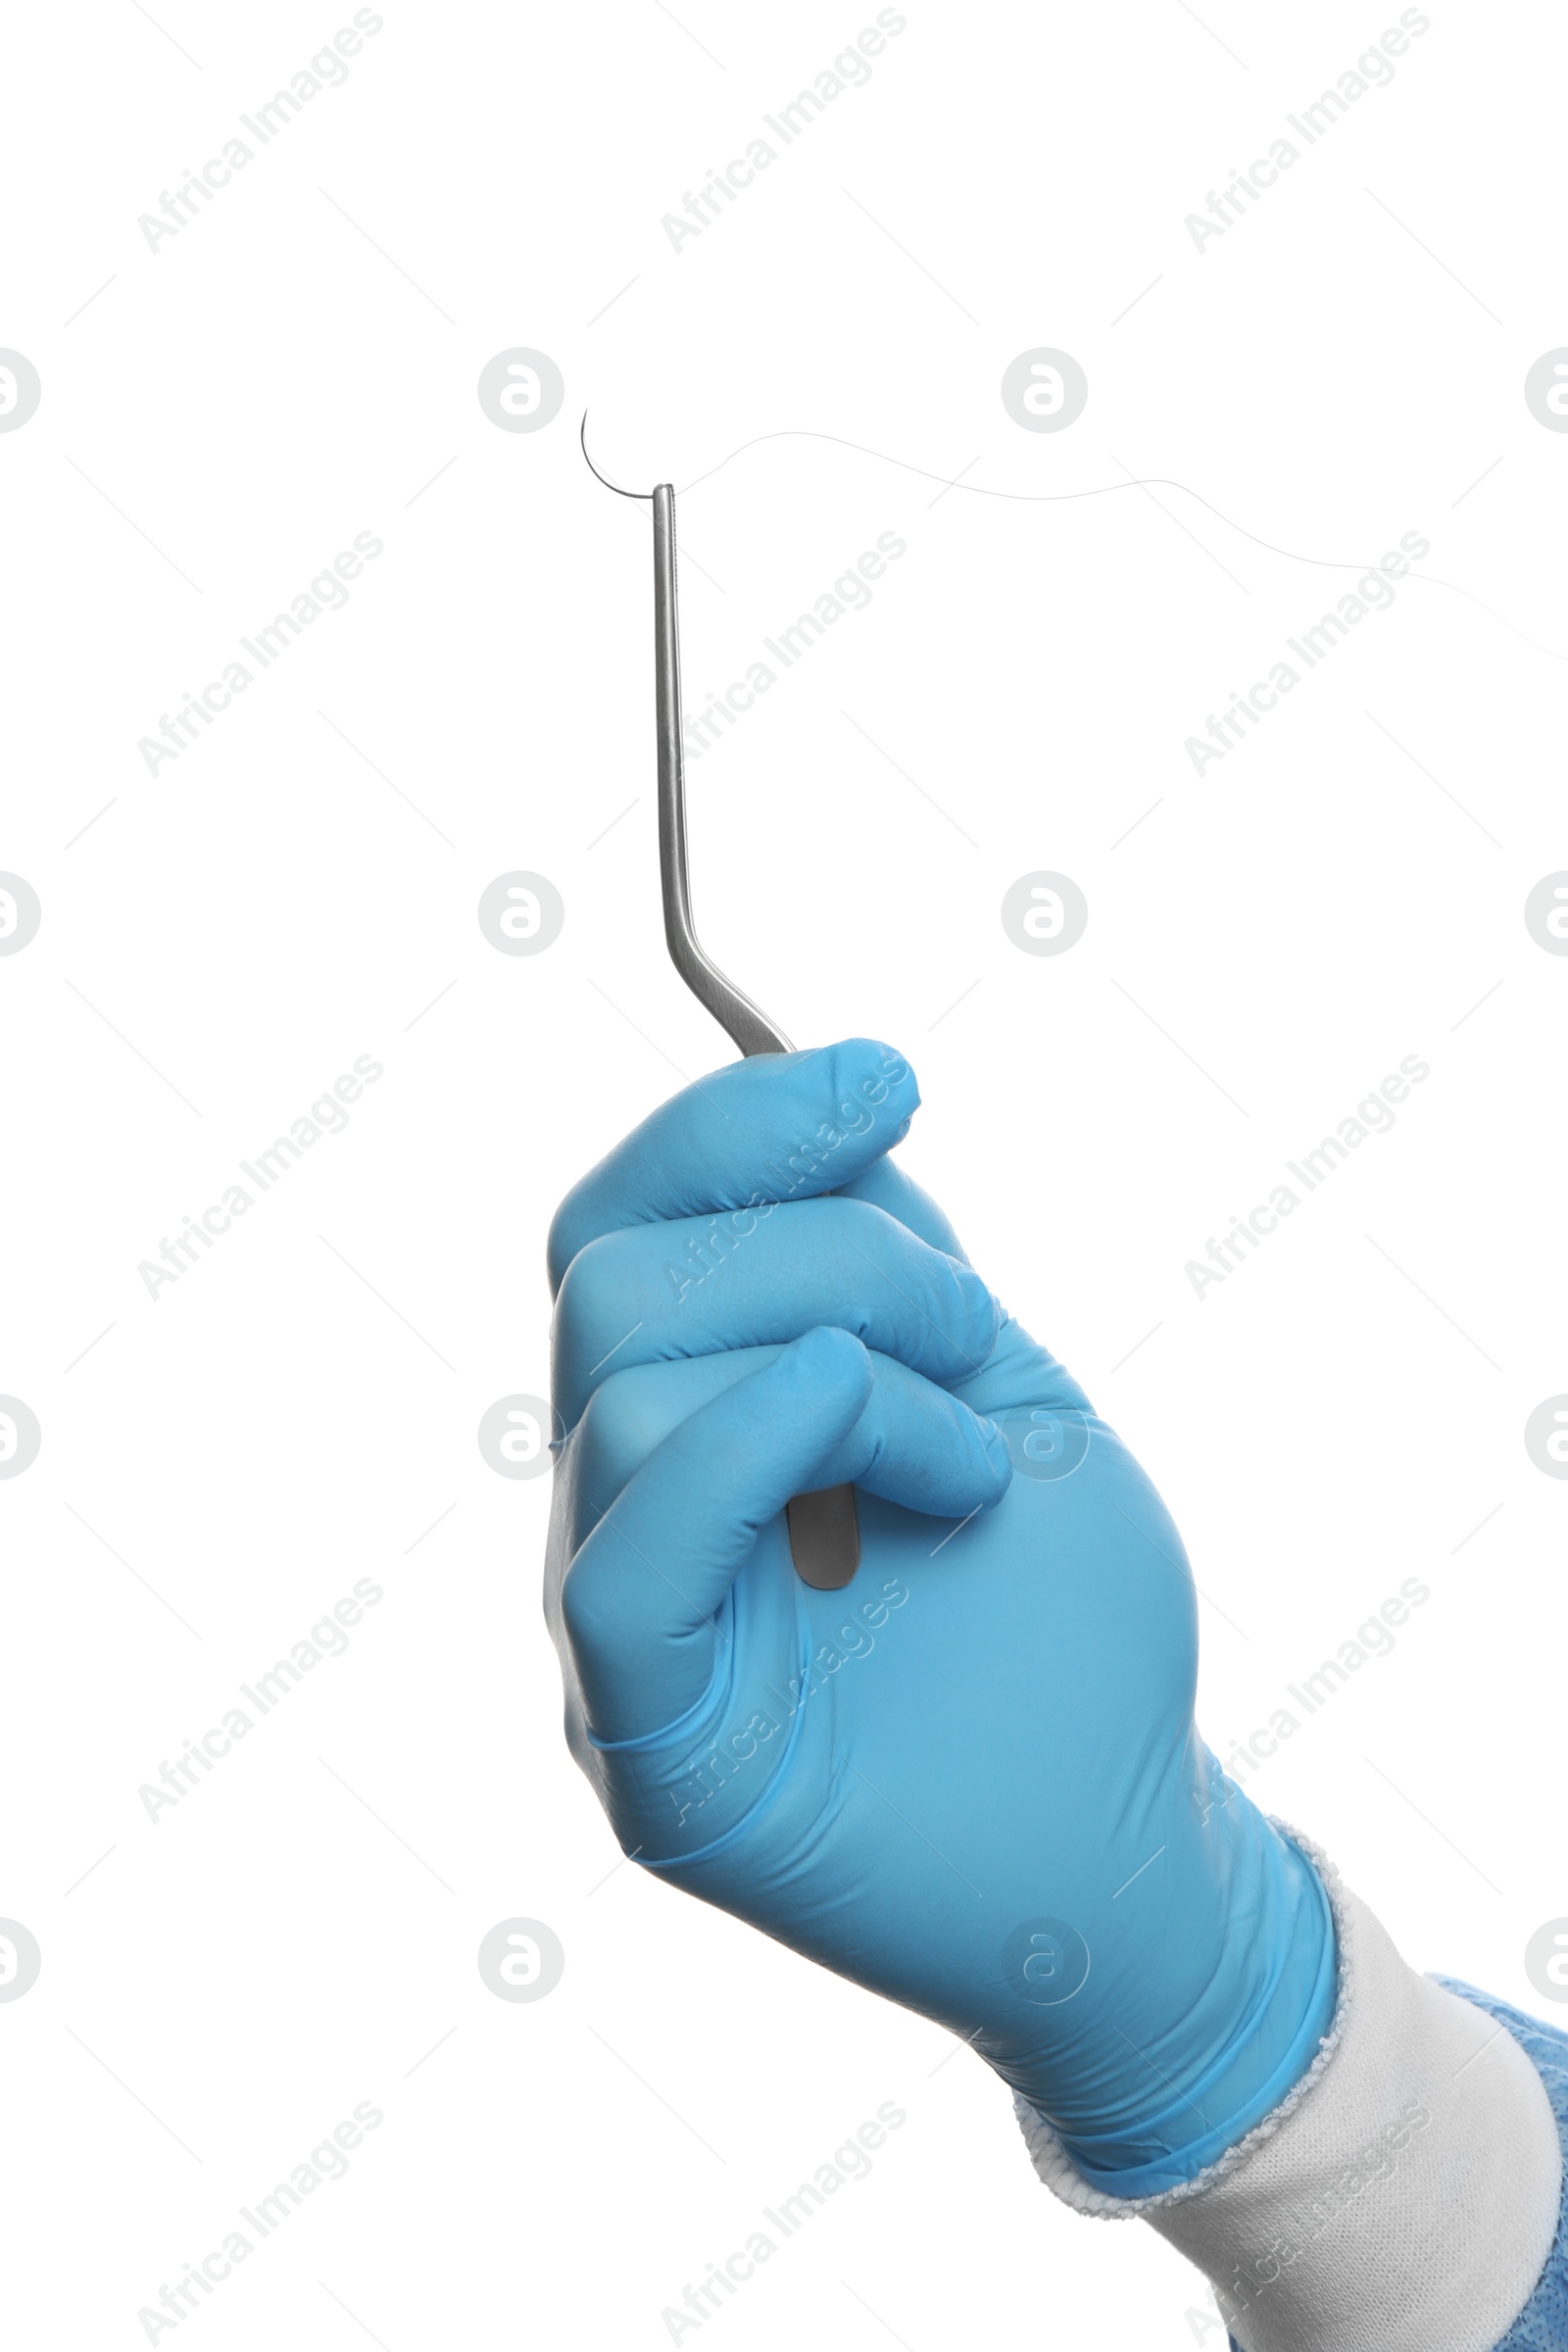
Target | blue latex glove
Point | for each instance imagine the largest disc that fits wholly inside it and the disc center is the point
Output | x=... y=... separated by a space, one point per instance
x=970 y=1780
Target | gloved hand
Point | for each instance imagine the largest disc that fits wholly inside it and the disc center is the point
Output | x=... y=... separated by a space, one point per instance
x=971 y=1780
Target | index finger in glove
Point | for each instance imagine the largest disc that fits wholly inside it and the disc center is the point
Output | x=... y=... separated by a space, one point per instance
x=777 y=1127
x=647 y=1294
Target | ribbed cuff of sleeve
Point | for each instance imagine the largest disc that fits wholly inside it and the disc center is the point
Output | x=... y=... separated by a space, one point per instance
x=1405 y=2196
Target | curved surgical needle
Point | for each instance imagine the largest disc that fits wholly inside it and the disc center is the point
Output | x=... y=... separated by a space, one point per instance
x=824 y=1526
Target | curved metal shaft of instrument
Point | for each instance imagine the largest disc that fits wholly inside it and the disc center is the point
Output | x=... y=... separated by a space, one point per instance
x=751 y=1028
x=825 y=1527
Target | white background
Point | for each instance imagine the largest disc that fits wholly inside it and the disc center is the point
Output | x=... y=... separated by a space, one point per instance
x=299 y=364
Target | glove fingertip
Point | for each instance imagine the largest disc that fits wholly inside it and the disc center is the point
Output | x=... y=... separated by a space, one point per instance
x=828 y=1356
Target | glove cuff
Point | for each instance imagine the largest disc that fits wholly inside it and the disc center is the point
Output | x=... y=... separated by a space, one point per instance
x=1404 y=2193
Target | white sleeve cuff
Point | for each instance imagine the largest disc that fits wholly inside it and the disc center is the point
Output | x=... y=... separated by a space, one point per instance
x=1405 y=2196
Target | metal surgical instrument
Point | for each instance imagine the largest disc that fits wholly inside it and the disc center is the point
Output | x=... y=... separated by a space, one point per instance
x=824 y=1526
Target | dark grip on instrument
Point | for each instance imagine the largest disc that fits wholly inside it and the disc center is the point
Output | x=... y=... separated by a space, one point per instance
x=824 y=1537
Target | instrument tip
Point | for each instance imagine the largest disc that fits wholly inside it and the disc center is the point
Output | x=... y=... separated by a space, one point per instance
x=583 y=437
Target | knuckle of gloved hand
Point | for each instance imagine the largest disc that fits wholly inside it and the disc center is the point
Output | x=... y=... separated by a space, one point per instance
x=947 y=1314
x=866 y=1227
x=592 y=1292
x=966 y=1311
x=587 y=1608
x=560 y=1242
x=628 y=1415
